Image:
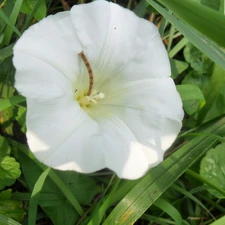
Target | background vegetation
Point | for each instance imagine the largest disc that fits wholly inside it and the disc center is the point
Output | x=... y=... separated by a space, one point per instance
x=188 y=188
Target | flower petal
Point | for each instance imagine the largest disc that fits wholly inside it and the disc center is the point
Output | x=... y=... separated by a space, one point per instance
x=37 y=79
x=151 y=109
x=63 y=136
x=117 y=42
x=153 y=95
x=54 y=41
x=123 y=153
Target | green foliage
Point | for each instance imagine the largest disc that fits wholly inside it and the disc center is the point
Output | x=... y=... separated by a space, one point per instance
x=10 y=208
x=52 y=200
x=29 y=5
x=202 y=42
x=207 y=21
x=163 y=196
x=198 y=61
x=215 y=96
x=9 y=168
x=177 y=67
x=213 y=168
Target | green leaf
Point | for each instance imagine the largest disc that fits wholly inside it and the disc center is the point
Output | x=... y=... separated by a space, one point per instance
x=6 y=52
x=35 y=197
x=6 y=103
x=5 y=220
x=70 y=188
x=199 y=80
x=29 y=6
x=207 y=21
x=149 y=188
x=10 y=208
x=214 y=95
x=189 y=92
x=21 y=118
x=214 y=4
x=198 y=61
x=220 y=221
x=140 y=9
x=9 y=171
x=169 y=209
x=4 y=147
x=12 y=18
x=204 y=44
x=9 y=23
x=177 y=67
x=213 y=168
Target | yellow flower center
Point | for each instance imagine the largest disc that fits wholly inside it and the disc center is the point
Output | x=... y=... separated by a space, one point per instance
x=93 y=98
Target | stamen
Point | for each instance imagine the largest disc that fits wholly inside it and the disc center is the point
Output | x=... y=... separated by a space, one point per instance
x=89 y=69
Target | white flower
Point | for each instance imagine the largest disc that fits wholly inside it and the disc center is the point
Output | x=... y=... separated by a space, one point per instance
x=133 y=112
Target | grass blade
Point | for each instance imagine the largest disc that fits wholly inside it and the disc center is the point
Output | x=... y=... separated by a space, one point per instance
x=203 y=43
x=4 y=220
x=209 y=22
x=170 y=210
x=9 y=23
x=156 y=182
x=32 y=212
x=12 y=18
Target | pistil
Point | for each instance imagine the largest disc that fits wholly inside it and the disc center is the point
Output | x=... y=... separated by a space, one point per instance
x=90 y=73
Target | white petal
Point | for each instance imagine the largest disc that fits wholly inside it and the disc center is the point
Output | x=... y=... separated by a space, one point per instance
x=54 y=41
x=37 y=79
x=63 y=136
x=118 y=43
x=123 y=153
x=152 y=110
x=153 y=95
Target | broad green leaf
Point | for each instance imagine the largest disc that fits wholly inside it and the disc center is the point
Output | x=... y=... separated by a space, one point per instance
x=201 y=81
x=149 y=188
x=177 y=67
x=9 y=171
x=220 y=221
x=11 y=208
x=207 y=21
x=215 y=96
x=198 y=61
x=206 y=181
x=189 y=92
x=203 y=43
x=213 y=168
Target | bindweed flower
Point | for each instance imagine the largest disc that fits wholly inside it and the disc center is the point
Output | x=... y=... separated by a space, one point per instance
x=98 y=89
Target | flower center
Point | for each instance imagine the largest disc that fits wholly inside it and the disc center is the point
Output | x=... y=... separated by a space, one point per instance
x=93 y=98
